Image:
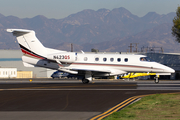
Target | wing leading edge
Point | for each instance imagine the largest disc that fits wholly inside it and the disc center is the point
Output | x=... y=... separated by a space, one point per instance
x=97 y=70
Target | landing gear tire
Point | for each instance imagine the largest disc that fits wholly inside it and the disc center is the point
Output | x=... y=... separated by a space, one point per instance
x=85 y=81
x=156 y=80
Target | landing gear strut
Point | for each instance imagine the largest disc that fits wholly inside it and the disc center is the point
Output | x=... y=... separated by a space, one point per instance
x=87 y=78
x=156 y=79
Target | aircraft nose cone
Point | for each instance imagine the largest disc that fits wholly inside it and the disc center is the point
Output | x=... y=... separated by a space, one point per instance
x=169 y=70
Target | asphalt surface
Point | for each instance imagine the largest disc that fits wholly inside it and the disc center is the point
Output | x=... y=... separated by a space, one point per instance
x=70 y=99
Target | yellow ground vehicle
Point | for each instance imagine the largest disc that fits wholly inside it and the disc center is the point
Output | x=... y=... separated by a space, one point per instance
x=133 y=75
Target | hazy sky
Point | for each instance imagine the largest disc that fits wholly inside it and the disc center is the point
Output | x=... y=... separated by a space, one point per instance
x=62 y=8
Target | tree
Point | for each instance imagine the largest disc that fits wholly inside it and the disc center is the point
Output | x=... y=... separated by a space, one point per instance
x=176 y=25
x=94 y=50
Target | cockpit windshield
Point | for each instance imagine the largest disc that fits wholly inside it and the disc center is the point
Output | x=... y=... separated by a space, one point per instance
x=145 y=59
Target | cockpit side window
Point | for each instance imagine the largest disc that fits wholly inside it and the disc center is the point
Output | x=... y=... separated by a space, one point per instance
x=148 y=59
x=144 y=59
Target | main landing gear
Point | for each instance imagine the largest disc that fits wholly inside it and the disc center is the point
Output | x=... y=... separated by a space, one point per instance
x=85 y=81
x=87 y=78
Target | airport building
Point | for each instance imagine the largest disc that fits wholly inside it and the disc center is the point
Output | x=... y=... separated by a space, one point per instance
x=11 y=60
x=8 y=72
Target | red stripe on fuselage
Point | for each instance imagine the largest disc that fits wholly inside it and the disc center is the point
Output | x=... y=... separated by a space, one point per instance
x=26 y=52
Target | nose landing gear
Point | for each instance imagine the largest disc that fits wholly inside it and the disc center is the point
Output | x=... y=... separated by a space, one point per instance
x=156 y=79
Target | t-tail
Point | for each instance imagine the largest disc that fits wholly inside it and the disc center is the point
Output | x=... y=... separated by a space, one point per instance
x=34 y=53
x=29 y=44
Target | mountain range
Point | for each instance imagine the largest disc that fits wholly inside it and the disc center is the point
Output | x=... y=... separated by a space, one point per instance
x=104 y=29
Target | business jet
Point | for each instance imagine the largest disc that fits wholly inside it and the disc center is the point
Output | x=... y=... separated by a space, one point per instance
x=86 y=65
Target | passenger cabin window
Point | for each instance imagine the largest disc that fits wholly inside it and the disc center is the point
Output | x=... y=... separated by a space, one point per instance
x=119 y=59
x=144 y=59
x=104 y=59
x=125 y=59
x=111 y=59
x=97 y=59
x=85 y=58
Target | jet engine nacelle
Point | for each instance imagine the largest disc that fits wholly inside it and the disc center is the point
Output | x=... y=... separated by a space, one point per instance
x=63 y=57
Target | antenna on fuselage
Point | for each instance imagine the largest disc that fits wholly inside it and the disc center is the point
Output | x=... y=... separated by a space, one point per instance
x=71 y=47
x=82 y=52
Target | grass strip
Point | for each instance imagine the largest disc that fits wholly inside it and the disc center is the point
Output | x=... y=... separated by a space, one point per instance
x=158 y=106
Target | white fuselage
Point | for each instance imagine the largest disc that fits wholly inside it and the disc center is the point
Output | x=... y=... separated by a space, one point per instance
x=114 y=63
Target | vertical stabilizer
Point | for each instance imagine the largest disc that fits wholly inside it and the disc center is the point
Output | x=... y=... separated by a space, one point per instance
x=29 y=43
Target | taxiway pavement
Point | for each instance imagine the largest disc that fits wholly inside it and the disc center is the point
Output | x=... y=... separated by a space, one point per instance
x=70 y=99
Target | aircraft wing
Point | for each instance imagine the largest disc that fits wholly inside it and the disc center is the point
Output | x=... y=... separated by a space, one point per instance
x=100 y=70
x=91 y=69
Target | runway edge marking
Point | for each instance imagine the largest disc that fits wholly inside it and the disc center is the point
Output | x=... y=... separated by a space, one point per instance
x=121 y=106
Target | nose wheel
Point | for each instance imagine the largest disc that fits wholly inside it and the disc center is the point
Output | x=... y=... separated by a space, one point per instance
x=156 y=79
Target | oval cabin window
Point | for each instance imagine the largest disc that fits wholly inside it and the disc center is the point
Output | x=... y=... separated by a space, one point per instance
x=85 y=58
x=97 y=59
x=119 y=59
x=111 y=59
x=126 y=59
x=104 y=59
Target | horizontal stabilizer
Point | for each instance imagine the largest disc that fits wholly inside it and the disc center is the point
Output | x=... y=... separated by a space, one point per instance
x=18 y=30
